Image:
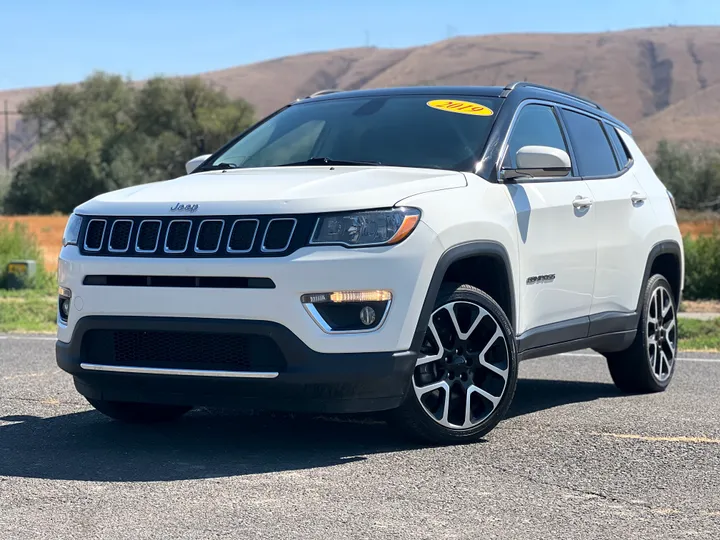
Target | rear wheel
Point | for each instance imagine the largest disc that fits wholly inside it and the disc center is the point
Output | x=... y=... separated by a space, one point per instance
x=648 y=364
x=465 y=377
x=138 y=413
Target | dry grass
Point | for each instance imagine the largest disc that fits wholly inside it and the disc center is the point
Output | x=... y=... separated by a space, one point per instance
x=700 y=306
x=48 y=230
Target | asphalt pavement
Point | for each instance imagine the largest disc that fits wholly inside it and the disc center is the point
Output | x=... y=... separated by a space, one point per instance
x=574 y=459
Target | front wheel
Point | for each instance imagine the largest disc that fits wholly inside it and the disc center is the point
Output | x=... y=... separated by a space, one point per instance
x=465 y=377
x=648 y=364
x=138 y=413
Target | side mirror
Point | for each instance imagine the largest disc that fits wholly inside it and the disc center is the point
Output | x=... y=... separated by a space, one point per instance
x=195 y=162
x=539 y=162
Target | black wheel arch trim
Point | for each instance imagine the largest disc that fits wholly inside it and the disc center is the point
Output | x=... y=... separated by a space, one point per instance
x=662 y=248
x=452 y=255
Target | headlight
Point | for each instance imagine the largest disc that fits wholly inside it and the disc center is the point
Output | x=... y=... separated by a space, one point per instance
x=362 y=229
x=72 y=231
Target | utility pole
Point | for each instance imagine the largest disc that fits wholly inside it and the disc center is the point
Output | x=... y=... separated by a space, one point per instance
x=7 y=138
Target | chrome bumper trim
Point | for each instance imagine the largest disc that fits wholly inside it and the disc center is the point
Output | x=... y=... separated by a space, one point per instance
x=181 y=372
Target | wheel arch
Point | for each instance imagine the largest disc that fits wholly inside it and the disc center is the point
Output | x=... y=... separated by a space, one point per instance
x=459 y=259
x=665 y=258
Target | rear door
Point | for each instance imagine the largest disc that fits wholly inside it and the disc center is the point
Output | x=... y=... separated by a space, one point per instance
x=556 y=228
x=622 y=215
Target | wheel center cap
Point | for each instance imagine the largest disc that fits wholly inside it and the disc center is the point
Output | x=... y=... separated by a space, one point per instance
x=457 y=360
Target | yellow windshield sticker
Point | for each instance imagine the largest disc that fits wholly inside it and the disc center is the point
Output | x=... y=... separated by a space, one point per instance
x=462 y=107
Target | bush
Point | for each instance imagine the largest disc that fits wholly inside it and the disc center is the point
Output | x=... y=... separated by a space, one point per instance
x=16 y=242
x=702 y=267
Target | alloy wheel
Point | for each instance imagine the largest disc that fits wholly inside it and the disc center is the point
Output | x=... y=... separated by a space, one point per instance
x=661 y=334
x=461 y=375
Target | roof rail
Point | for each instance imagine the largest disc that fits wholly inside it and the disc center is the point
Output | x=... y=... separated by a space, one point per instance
x=319 y=93
x=510 y=87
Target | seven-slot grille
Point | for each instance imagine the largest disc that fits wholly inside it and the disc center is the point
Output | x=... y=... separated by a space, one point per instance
x=195 y=236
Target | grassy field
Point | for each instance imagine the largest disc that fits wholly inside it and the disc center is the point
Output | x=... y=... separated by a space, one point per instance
x=27 y=311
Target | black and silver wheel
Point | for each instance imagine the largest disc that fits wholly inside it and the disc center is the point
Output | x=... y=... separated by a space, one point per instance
x=138 y=413
x=465 y=377
x=649 y=363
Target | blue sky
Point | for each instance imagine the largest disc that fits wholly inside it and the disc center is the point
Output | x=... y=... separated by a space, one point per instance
x=50 y=41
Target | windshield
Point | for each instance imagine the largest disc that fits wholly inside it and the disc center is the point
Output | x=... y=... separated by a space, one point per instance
x=440 y=132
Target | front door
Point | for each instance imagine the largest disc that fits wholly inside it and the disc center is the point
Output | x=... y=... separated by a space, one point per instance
x=556 y=229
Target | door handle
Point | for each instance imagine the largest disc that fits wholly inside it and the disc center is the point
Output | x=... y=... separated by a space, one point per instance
x=637 y=198
x=582 y=202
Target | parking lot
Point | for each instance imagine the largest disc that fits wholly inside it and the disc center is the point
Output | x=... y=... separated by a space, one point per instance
x=574 y=459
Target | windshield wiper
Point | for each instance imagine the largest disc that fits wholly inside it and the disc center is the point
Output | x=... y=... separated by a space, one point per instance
x=330 y=161
x=218 y=167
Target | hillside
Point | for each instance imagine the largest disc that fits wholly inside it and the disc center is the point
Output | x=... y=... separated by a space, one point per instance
x=662 y=81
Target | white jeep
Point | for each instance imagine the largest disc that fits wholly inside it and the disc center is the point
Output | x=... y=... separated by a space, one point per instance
x=377 y=250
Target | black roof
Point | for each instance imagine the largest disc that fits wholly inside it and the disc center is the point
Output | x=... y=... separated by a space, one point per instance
x=526 y=90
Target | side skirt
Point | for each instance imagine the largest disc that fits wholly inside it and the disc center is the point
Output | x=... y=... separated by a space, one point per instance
x=604 y=332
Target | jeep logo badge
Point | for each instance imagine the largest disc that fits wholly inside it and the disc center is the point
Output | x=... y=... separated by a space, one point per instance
x=190 y=208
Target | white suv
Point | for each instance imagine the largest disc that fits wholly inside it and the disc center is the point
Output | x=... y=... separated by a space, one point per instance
x=377 y=250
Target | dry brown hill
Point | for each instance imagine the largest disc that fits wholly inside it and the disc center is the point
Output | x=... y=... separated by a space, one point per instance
x=662 y=81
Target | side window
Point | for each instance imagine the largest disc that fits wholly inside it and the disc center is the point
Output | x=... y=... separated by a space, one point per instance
x=621 y=150
x=536 y=125
x=591 y=146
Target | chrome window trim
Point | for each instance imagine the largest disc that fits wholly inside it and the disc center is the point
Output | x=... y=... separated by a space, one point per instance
x=252 y=242
x=197 y=236
x=290 y=236
x=102 y=236
x=506 y=140
x=127 y=245
x=181 y=372
x=157 y=238
x=561 y=122
x=167 y=235
x=325 y=327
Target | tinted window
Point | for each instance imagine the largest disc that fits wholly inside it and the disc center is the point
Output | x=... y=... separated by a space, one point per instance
x=620 y=150
x=536 y=125
x=590 y=144
x=399 y=131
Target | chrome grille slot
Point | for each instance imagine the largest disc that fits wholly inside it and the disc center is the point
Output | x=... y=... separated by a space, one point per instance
x=209 y=236
x=242 y=235
x=95 y=234
x=278 y=234
x=177 y=236
x=198 y=237
x=120 y=235
x=147 y=236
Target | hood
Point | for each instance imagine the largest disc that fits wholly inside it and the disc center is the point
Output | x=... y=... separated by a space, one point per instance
x=275 y=190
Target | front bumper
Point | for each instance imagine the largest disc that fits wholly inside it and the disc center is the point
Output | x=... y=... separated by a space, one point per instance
x=405 y=269
x=309 y=381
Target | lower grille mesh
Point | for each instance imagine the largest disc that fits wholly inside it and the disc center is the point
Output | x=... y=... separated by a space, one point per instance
x=183 y=350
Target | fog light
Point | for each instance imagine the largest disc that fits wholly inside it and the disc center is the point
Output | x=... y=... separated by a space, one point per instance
x=64 y=301
x=367 y=315
x=348 y=311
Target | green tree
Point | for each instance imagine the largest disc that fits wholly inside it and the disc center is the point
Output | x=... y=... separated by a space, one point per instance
x=107 y=133
x=693 y=177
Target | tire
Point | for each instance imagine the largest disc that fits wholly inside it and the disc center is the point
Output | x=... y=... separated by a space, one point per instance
x=433 y=414
x=138 y=413
x=648 y=364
